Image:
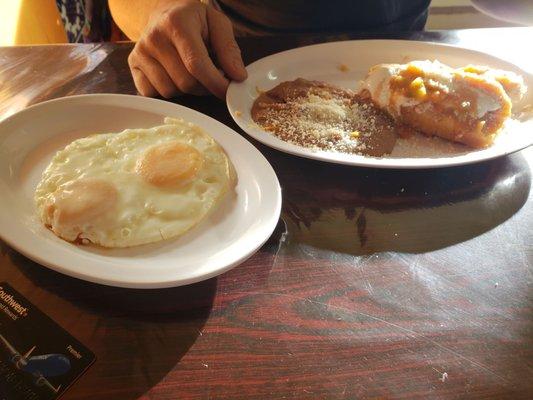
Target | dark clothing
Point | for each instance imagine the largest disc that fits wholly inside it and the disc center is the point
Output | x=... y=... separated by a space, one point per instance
x=88 y=21
x=332 y=16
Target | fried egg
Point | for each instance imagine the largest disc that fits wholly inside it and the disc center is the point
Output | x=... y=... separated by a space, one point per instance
x=134 y=187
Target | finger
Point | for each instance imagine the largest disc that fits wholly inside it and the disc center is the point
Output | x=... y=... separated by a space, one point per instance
x=223 y=42
x=196 y=59
x=168 y=57
x=157 y=76
x=143 y=85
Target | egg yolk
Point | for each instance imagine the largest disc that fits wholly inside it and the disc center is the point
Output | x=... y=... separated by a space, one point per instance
x=81 y=201
x=169 y=164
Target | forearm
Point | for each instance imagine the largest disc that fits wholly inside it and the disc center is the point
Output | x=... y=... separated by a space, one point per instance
x=132 y=16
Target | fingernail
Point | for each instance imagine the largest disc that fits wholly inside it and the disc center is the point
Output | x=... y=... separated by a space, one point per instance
x=240 y=69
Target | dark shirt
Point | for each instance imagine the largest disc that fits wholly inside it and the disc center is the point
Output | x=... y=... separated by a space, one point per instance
x=88 y=21
x=288 y=16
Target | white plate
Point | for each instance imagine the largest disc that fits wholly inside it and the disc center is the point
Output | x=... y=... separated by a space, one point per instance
x=241 y=224
x=322 y=62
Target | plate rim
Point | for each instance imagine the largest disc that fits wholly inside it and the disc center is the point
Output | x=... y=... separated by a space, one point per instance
x=25 y=248
x=360 y=160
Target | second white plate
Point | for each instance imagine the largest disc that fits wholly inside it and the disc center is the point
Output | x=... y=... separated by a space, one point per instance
x=323 y=62
x=242 y=223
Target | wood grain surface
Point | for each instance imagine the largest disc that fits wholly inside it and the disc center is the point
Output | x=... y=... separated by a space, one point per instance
x=376 y=284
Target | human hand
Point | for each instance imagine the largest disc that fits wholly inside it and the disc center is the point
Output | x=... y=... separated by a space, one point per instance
x=171 y=56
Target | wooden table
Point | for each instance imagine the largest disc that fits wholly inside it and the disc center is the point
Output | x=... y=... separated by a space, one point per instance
x=375 y=284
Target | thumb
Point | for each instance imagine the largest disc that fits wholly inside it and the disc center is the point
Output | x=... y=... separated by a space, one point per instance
x=223 y=43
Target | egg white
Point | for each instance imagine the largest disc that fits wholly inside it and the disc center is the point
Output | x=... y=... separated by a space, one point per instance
x=143 y=212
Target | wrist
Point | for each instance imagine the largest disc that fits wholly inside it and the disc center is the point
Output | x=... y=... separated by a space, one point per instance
x=161 y=6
